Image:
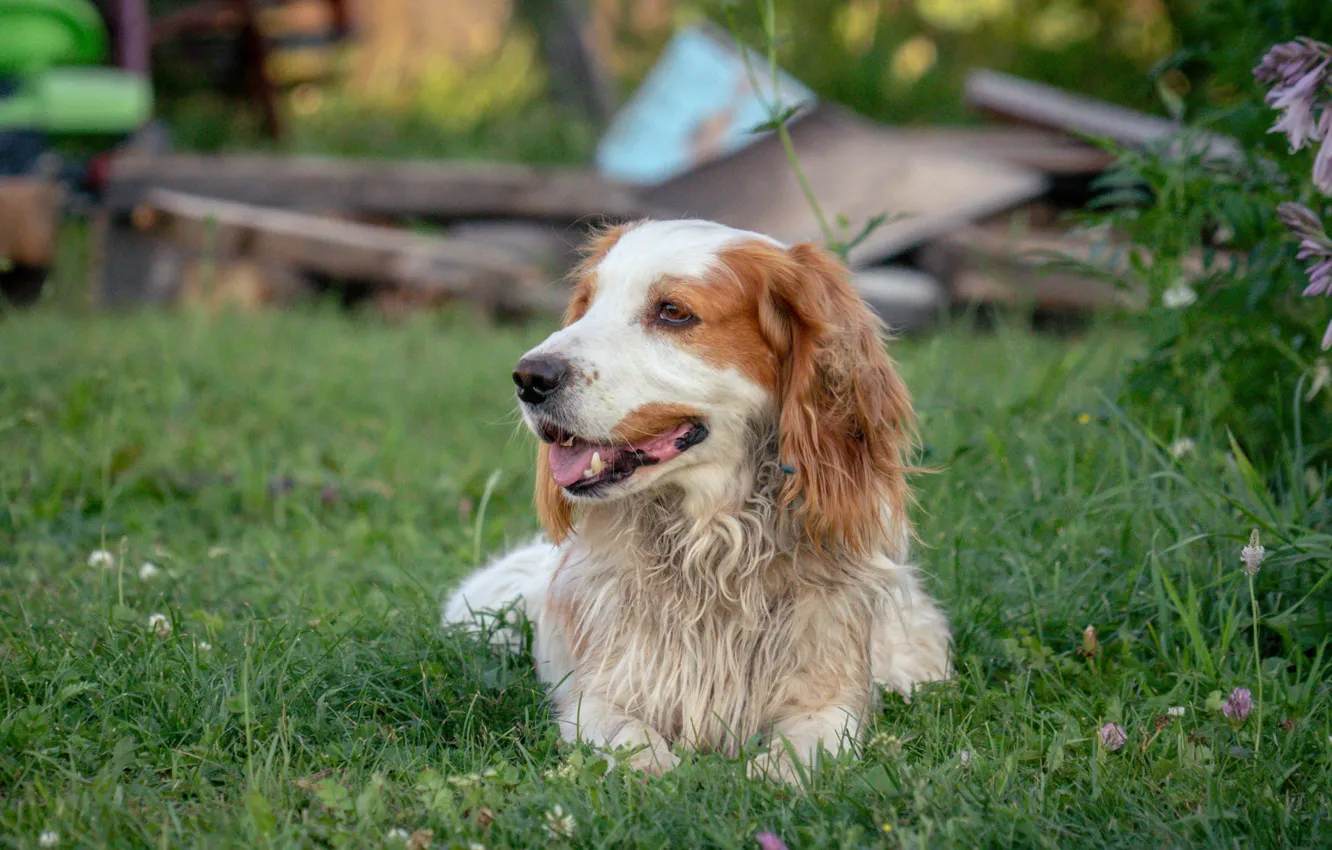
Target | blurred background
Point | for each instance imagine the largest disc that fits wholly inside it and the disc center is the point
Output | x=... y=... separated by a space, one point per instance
x=961 y=155
x=626 y=107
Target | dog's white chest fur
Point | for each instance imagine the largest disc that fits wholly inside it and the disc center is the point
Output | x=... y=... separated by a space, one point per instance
x=711 y=675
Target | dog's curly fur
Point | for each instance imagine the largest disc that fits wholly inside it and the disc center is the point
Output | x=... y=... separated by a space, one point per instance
x=755 y=585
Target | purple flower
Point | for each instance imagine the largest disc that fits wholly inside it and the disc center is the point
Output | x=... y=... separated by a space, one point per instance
x=1289 y=59
x=1113 y=736
x=1238 y=705
x=1322 y=168
x=1315 y=245
x=769 y=841
x=1297 y=71
x=1297 y=104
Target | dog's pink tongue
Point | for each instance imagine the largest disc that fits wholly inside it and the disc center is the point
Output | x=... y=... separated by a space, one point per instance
x=567 y=463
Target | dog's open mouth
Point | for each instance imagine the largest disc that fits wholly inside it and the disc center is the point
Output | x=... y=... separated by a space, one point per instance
x=582 y=466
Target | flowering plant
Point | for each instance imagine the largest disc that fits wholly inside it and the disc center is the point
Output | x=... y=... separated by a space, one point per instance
x=1225 y=281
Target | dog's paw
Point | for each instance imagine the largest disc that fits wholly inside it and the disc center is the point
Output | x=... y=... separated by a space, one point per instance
x=775 y=766
x=654 y=759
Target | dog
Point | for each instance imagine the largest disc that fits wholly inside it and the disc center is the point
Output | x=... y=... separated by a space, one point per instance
x=722 y=480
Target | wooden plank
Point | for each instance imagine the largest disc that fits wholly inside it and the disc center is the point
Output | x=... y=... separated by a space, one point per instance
x=1049 y=152
x=1041 y=105
x=996 y=264
x=858 y=170
x=376 y=188
x=346 y=250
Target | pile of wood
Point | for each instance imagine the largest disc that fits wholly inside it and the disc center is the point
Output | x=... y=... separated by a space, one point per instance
x=972 y=214
x=256 y=230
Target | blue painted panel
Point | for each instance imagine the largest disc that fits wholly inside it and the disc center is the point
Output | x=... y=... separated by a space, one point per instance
x=695 y=105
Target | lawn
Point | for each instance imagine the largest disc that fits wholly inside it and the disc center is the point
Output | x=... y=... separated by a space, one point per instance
x=309 y=484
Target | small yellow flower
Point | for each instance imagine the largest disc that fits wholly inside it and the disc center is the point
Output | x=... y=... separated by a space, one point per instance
x=1084 y=418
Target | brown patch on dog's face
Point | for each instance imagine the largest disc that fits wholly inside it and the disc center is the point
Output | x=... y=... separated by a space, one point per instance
x=732 y=314
x=653 y=419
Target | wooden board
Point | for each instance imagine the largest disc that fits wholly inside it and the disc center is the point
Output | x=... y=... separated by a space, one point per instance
x=1024 y=101
x=996 y=263
x=697 y=103
x=375 y=188
x=222 y=232
x=1045 y=151
x=858 y=170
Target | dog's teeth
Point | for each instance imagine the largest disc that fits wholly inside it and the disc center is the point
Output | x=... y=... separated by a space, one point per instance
x=567 y=443
x=588 y=473
x=597 y=465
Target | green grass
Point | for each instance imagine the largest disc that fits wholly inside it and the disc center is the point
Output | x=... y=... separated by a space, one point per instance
x=310 y=484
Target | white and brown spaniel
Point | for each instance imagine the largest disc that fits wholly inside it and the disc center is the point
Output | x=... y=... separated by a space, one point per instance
x=722 y=476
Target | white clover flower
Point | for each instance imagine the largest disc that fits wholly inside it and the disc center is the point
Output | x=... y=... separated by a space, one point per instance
x=1175 y=711
x=1183 y=447
x=149 y=571
x=48 y=838
x=476 y=845
x=161 y=624
x=1252 y=555
x=203 y=646
x=559 y=824
x=397 y=833
x=964 y=758
x=102 y=559
x=1178 y=296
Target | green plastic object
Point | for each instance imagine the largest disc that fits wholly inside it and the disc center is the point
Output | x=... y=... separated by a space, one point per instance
x=37 y=34
x=79 y=101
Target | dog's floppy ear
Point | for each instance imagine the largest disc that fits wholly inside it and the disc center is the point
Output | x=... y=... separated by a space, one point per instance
x=846 y=421
x=553 y=509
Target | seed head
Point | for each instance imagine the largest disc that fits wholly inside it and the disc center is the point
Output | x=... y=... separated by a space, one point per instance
x=1090 y=645
x=1252 y=555
x=102 y=559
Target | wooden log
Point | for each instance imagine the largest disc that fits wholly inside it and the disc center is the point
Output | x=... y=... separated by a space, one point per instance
x=1046 y=151
x=1027 y=102
x=992 y=264
x=375 y=188
x=217 y=231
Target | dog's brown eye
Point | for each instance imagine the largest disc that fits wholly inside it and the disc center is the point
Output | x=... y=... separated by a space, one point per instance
x=673 y=314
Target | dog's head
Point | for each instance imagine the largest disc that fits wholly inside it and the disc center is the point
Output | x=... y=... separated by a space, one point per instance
x=686 y=339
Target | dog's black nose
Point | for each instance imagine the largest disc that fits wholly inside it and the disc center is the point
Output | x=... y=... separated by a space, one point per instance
x=538 y=378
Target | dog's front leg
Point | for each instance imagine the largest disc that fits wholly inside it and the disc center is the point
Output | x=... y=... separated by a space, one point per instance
x=800 y=737
x=595 y=721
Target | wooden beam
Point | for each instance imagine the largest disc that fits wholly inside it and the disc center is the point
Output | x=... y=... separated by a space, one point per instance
x=375 y=188
x=429 y=265
x=1026 y=102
